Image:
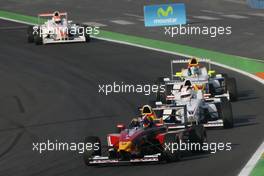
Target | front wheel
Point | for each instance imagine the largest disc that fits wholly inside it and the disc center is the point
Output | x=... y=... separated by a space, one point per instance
x=94 y=151
x=38 y=40
x=169 y=154
x=198 y=137
x=30 y=35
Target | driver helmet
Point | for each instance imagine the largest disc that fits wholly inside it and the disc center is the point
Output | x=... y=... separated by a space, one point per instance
x=134 y=123
x=193 y=63
x=57 y=17
x=186 y=94
x=148 y=116
x=193 y=66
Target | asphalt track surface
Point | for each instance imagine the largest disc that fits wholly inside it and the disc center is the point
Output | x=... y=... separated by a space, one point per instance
x=51 y=92
x=247 y=32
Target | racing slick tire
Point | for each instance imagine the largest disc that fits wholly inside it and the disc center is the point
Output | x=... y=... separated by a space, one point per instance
x=30 y=35
x=232 y=88
x=212 y=90
x=160 y=96
x=88 y=154
x=87 y=36
x=226 y=113
x=197 y=137
x=224 y=75
x=168 y=155
x=38 y=40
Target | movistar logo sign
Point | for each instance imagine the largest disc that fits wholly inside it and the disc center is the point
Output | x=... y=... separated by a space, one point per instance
x=165 y=13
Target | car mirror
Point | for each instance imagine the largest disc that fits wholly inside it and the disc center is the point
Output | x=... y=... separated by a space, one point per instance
x=120 y=127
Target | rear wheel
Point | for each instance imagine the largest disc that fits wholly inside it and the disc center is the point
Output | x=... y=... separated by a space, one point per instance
x=232 y=88
x=95 y=150
x=38 y=40
x=87 y=38
x=226 y=113
x=30 y=35
x=161 y=94
x=170 y=155
x=212 y=90
x=197 y=137
x=86 y=35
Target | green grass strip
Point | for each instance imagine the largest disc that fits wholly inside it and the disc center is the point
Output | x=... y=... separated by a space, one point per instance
x=259 y=168
x=246 y=64
x=20 y=17
x=242 y=63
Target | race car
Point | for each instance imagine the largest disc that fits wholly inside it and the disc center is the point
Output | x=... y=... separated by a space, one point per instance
x=57 y=29
x=201 y=106
x=146 y=143
x=219 y=85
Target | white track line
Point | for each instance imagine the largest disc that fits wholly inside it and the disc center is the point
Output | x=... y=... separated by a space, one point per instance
x=203 y=17
x=237 y=1
x=122 y=22
x=253 y=160
x=213 y=12
x=95 y=24
x=256 y=14
x=141 y=19
x=133 y=15
x=138 y=17
x=234 y=16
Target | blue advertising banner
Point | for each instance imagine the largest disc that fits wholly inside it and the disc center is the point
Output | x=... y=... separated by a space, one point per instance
x=165 y=15
x=257 y=4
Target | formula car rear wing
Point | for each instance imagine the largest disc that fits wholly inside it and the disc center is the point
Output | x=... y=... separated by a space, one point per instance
x=160 y=107
x=183 y=61
x=41 y=15
x=51 y=14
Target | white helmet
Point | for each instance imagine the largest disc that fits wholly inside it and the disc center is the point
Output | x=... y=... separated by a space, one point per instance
x=56 y=17
x=186 y=94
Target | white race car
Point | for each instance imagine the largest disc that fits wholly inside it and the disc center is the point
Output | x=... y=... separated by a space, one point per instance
x=57 y=29
x=201 y=108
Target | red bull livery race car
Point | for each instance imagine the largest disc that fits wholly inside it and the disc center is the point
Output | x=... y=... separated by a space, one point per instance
x=146 y=139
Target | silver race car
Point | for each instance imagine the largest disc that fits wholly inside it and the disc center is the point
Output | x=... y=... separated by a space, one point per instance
x=57 y=29
x=201 y=107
